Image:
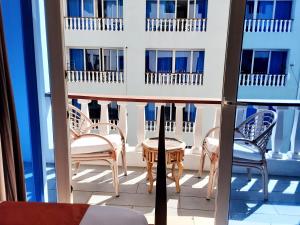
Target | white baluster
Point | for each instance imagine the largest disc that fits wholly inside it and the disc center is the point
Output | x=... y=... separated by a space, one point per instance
x=285 y=26
x=263 y=26
x=268 y=26
x=84 y=107
x=104 y=130
x=123 y=118
x=140 y=122
x=258 y=28
x=280 y=26
x=179 y=120
x=277 y=138
x=272 y=26
x=198 y=133
x=276 y=26
x=245 y=25
x=71 y=23
x=294 y=153
x=290 y=26
x=253 y=25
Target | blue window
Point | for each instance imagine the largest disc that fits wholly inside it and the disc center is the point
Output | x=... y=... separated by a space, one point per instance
x=283 y=10
x=265 y=9
x=92 y=59
x=110 y=8
x=170 y=112
x=150 y=112
x=246 y=61
x=121 y=60
x=76 y=59
x=198 y=61
x=151 y=9
x=164 y=61
x=88 y=8
x=261 y=61
x=150 y=61
x=278 y=62
x=249 y=10
x=182 y=62
x=189 y=113
x=167 y=9
x=201 y=6
x=74 y=8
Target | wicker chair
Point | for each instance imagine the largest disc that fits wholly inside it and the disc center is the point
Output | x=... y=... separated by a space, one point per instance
x=250 y=144
x=87 y=144
x=210 y=148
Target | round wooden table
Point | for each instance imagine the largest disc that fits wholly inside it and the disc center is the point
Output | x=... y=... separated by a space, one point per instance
x=174 y=156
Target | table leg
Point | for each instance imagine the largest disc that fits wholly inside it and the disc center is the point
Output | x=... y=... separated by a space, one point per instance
x=179 y=174
x=150 y=176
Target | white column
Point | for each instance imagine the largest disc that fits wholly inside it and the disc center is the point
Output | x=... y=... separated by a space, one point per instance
x=104 y=130
x=158 y=105
x=141 y=122
x=123 y=118
x=85 y=107
x=179 y=120
x=198 y=133
x=217 y=118
x=278 y=134
x=294 y=153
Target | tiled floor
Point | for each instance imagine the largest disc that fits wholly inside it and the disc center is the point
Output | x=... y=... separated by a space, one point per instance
x=93 y=185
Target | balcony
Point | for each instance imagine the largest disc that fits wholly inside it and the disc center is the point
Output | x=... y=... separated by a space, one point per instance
x=176 y=25
x=263 y=80
x=194 y=79
x=94 y=24
x=268 y=25
x=100 y=77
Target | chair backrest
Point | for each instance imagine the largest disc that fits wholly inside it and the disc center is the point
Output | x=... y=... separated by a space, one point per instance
x=211 y=141
x=257 y=128
x=78 y=122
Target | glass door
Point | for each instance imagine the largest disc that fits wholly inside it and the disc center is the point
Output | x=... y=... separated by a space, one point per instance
x=263 y=109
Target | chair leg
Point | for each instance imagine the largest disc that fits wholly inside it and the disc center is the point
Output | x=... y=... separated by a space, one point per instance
x=249 y=174
x=115 y=177
x=202 y=161
x=210 y=180
x=77 y=165
x=265 y=180
x=124 y=162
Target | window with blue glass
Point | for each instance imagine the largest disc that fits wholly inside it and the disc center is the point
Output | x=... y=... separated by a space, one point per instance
x=198 y=62
x=74 y=8
x=167 y=9
x=283 y=10
x=189 y=113
x=113 y=8
x=198 y=9
x=151 y=9
x=88 y=8
x=164 y=61
x=150 y=61
x=264 y=62
x=170 y=112
x=77 y=59
x=150 y=112
x=269 y=9
x=92 y=59
x=113 y=59
x=182 y=62
x=113 y=111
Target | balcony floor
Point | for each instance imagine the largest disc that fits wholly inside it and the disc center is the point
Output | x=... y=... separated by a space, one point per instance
x=93 y=185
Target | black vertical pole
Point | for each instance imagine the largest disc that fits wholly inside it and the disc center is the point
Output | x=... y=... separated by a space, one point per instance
x=161 y=187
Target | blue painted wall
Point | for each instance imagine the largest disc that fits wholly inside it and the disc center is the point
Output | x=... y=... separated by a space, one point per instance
x=19 y=37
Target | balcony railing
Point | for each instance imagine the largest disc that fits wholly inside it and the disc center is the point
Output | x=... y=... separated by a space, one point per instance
x=174 y=78
x=271 y=80
x=261 y=25
x=136 y=129
x=179 y=25
x=91 y=23
x=103 y=77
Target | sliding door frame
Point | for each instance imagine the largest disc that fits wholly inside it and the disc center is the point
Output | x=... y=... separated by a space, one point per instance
x=55 y=38
x=228 y=109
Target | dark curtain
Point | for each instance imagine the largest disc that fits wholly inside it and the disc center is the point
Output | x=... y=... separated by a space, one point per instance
x=11 y=149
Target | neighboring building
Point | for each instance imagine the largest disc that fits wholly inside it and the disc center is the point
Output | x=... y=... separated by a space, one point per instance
x=177 y=48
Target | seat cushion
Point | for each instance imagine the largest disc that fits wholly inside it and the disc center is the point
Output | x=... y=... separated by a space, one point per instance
x=110 y=215
x=94 y=144
x=212 y=144
x=246 y=152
